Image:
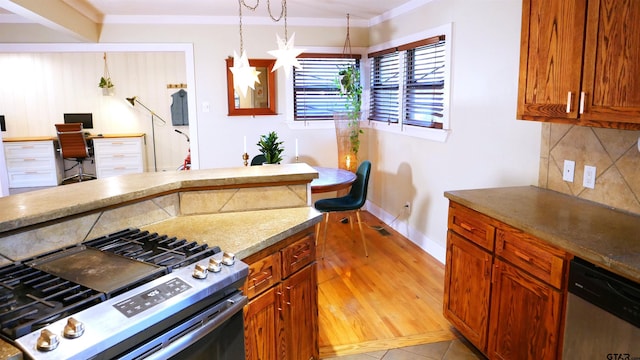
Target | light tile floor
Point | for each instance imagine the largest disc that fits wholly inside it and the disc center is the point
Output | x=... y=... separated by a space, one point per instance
x=445 y=350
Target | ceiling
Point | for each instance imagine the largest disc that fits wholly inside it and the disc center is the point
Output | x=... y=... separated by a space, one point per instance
x=103 y=11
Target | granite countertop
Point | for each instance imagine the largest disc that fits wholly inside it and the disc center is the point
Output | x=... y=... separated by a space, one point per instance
x=594 y=232
x=242 y=233
x=39 y=206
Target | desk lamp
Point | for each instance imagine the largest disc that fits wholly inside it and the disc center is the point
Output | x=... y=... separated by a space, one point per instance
x=133 y=101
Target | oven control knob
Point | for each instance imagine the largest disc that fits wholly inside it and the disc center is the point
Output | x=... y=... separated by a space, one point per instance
x=228 y=258
x=215 y=265
x=73 y=329
x=47 y=341
x=200 y=272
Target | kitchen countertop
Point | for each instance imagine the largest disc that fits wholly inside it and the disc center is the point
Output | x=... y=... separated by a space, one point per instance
x=242 y=233
x=594 y=232
x=55 y=203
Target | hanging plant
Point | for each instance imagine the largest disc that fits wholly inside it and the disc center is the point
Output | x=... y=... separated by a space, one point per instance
x=105 y=83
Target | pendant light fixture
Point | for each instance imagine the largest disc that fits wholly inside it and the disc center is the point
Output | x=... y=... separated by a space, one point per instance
x=244 y=75
x=286 y=55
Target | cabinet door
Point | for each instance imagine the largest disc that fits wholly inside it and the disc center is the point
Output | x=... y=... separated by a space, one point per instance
x=612 y=62
x=466 y=289
x=262 y=326
x=525 y=316
x=550 y=58
x=300 y=315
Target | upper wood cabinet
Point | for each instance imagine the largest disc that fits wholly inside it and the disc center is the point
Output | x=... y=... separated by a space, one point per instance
x=580 y=62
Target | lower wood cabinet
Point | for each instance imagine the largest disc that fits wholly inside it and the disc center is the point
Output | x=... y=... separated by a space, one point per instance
x=281 y=319
x=504 y=290
x=525 y=316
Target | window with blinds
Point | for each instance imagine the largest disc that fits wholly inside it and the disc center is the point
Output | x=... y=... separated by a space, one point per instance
x=385 y=87
x=316 y=95
x=408 y=84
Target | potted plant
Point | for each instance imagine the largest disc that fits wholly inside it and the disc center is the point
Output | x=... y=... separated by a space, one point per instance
x=348 y=123
x=271 y=148
x=106 y=85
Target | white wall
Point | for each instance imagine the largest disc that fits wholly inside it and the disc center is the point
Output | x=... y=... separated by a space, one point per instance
x=487 y=147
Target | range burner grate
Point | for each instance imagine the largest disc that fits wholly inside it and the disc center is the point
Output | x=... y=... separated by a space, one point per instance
x=30 y=299
x=161 y=250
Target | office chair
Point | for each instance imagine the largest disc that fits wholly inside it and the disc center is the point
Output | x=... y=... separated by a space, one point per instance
x=353 y=201
x=73 y=146
x=258 y=160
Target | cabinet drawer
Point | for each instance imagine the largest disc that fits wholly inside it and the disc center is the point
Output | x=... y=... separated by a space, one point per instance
x=117 y=146
x=263 y=274
x=298 y=255
x=531 y=255
x=115 y=160
x=31 y=163
x=472 y=225
x=18 y=179
x=28 y=149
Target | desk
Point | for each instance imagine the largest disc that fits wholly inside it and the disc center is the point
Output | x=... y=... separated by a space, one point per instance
x=32 y=161
x=331 y=179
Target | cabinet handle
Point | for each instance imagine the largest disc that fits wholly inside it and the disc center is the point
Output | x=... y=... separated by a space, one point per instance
x=569 y=102
x=29 y=159
x=302 y=255
x=582 y=102
x=466 y=226
x=257 y=281
x=522 y=256
x=279 y=295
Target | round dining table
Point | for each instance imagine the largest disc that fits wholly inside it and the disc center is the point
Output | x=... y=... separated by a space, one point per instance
x=331 y=179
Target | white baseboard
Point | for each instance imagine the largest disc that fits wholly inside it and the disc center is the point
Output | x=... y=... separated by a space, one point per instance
x=403 y=227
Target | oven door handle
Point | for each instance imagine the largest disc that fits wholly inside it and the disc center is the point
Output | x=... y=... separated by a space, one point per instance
x=179 y=338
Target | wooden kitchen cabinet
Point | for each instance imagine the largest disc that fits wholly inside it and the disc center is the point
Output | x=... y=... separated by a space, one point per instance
x=466 y=289
x=578 y=60
x=504 y=289
x=281 y=319
x=525 y=316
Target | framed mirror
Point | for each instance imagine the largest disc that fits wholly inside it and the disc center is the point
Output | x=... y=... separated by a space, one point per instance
x=258 y=101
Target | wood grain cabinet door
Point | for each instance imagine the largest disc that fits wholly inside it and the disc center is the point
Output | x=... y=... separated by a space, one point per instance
x=551 y=47
x=262 y=326
x=611 y=79
x=467 y=289
x=300 y=315
x=525 y=316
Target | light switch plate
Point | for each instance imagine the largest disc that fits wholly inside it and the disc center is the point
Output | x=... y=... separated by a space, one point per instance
x=568 y=171
x=589 y=179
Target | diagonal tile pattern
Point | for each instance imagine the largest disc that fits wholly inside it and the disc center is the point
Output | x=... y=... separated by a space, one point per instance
x=613 y=152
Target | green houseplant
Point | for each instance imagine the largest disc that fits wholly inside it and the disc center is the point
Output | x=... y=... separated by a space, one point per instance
x=271 y=148
x=105 y=83
x=351 y=89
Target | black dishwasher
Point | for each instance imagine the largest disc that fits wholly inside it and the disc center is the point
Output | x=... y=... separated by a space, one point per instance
x=603 y=315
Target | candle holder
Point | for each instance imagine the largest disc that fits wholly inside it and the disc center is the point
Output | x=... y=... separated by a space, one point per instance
x=245 y=157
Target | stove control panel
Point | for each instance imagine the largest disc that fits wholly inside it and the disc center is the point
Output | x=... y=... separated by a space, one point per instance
x=152 y=297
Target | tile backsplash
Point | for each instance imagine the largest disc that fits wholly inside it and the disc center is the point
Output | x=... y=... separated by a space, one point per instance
x=613 y=152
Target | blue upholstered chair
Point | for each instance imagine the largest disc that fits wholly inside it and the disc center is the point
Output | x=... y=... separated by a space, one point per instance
x=353 y=201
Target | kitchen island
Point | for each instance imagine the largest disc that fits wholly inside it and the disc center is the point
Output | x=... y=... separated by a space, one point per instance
x=249 y=211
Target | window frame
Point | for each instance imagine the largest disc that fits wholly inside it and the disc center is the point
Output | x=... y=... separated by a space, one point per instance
x=326 y=124
x=401 y=127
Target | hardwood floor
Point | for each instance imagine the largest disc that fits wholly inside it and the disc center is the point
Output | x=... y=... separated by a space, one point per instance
x=391 y=299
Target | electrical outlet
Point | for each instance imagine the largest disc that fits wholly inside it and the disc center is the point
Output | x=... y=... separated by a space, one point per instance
x=589 y=179
x=569 y=168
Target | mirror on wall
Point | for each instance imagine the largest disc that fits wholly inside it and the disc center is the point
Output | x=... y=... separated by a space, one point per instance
x=258 y=101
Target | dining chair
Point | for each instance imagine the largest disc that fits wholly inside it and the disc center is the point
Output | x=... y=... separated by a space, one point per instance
x=353 y=201
x=73 y=146
x=258 y=160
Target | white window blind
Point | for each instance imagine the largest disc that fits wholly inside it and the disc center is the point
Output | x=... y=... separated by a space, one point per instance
x=316 y=95
x=385 y=87
x=408 y=84
x=424 y=85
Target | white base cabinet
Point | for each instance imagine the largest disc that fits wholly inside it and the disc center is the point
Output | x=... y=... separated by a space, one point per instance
x=118 y=156
x=31 y=164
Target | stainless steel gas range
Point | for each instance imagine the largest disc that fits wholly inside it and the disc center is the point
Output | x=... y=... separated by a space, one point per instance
x=128 y=295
